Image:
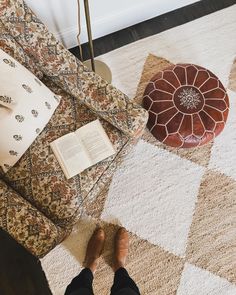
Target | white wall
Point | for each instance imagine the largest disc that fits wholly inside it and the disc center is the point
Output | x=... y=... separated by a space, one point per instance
x=107 y=16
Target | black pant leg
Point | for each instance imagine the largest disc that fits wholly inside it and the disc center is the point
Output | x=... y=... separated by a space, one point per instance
x=81 y=284
x=123 y=284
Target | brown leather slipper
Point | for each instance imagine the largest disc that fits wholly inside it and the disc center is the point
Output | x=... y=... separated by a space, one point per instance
x=94 y=249
x=121 y=248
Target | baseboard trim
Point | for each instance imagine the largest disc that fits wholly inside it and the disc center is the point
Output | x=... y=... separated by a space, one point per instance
x=120 y=20
x=153 y=26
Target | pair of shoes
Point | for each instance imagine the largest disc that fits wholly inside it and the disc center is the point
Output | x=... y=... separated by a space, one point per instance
x=96 y=245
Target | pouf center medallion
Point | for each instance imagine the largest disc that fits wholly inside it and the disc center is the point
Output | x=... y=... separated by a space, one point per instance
x=188 y=100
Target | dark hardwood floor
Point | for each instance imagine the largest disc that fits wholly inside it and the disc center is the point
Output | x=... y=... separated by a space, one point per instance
x=20 y=272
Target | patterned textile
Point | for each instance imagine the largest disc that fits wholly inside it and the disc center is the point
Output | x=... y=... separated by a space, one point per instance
x=26 y=224
x=30 y=106
x=64 y=68
x=37 y=176
x=10 y=46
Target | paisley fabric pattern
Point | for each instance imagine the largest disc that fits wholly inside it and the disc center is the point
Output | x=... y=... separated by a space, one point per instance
x=37 y=176
x=26 y=224
x=10 y=46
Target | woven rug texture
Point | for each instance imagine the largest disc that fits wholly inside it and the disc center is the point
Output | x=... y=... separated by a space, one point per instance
x=179 y=205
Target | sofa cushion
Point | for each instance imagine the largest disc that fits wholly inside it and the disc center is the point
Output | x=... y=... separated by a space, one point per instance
x=38 y=176
x=28 y=106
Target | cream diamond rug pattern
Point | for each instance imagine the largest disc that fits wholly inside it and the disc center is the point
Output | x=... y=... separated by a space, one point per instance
x=178 y=205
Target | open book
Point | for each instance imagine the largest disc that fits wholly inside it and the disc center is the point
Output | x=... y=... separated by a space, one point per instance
x=83 y=148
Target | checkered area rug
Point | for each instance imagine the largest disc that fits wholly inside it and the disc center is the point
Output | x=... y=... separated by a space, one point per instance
x=178 y=205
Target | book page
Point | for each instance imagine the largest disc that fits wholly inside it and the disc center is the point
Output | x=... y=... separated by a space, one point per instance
x=71 y=154
x=95 y=141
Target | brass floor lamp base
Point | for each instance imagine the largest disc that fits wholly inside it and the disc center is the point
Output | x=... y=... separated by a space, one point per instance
x=101 y=69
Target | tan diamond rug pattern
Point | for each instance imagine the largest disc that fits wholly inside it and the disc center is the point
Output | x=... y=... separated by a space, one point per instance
x=178 y=205
x=232 y=77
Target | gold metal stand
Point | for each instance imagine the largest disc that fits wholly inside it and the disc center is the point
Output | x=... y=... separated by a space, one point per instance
x=97 y=66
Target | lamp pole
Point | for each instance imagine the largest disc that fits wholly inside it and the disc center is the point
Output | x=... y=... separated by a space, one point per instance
x=89 y=31
x=97 y=66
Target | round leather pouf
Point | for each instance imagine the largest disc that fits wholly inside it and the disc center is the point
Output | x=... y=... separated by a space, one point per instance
x=188 y=105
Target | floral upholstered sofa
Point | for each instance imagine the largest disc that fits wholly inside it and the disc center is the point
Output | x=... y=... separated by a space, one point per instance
x=38 y=206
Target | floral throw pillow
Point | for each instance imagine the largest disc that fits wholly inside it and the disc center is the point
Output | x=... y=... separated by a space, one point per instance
x=26 y=106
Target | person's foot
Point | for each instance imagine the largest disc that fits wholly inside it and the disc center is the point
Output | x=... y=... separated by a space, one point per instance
x=121 y=248
x=94 y=249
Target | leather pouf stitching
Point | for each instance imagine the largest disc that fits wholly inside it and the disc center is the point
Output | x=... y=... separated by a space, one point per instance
x=188 y=105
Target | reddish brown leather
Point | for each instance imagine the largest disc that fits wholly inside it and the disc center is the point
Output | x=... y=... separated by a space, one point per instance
x=188 y=105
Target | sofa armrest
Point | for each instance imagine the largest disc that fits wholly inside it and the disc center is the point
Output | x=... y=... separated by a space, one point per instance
x=26 y=224
x=69 y=73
